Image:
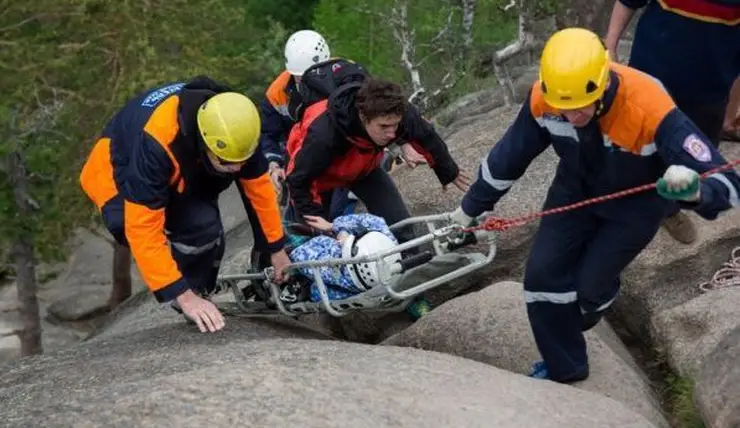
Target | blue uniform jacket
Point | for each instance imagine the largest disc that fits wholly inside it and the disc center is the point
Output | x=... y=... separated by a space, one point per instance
x=638 y=134
x=275 y=114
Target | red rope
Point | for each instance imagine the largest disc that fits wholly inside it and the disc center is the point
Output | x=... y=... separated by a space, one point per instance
x=501 y=224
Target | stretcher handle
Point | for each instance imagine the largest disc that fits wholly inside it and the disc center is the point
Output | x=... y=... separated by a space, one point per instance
x=415 y=260
x=467 y=238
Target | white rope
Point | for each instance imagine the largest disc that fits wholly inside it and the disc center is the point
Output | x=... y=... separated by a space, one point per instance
x=725 y=277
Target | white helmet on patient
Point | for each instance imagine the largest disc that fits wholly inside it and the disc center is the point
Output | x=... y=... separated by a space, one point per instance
x=367 y=275
x=303 y=49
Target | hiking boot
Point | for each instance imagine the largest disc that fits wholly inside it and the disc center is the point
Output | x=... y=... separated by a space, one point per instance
x=539 y=371
x=680 y=227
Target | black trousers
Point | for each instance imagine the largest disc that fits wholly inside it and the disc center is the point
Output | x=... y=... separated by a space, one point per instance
x=381 y=198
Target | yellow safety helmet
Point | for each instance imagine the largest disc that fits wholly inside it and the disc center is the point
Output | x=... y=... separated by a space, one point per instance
x=230 y=126
x=574 y=69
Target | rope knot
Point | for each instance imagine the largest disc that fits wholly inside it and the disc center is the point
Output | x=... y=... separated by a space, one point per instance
x=497 y=224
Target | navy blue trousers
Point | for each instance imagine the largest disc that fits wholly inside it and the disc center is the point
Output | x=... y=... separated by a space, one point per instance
x=194 y=229
x=572 y=275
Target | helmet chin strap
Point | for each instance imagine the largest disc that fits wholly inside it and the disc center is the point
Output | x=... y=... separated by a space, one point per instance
x=599 y=108
x=210 y=169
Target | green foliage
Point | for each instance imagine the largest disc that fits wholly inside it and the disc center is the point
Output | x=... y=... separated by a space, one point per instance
x=493 y=27
x=354 y=30
x=68 y=65
x=87 y=57
x=292 y=14
x=363 y=31
x=680 y=392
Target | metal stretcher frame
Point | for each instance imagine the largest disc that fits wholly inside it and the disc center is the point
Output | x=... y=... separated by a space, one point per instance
x=383 y=297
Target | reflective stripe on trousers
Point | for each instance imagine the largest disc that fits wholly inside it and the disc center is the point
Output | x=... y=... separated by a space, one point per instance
x=193 y=250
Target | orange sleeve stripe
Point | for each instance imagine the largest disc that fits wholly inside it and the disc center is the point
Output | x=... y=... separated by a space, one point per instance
x=261 y=194
x=145 y=233
x=163 y=127
x=276 y=91
x=96 y=177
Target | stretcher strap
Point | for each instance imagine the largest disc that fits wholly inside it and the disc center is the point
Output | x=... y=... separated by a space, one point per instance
x=500 y=224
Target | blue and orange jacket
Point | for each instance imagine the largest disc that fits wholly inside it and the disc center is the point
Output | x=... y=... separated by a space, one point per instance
x=329 y=149
x=691 y=46
x=151 y=152
x=276 y=112
x=637 y=134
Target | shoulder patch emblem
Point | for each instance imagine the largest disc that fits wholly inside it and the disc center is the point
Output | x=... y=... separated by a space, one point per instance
x=697 y=148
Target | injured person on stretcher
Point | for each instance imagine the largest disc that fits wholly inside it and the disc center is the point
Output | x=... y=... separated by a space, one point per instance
x=346 y=237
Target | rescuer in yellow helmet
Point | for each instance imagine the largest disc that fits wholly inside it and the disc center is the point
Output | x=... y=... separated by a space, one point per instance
x=614 y=128
x=155 y=174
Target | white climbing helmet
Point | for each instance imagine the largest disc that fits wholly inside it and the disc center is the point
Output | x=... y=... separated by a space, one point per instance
x=303 y=49
x=367 y=275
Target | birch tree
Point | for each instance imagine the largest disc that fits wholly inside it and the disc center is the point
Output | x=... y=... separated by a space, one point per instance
x=468 y=17
x=523 y=43
x=405 y=35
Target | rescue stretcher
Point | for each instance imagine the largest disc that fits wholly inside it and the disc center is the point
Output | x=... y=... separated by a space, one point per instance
x=261 y=296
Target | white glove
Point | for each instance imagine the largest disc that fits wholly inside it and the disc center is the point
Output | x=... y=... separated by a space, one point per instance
x=679 y=183
x=459 y=217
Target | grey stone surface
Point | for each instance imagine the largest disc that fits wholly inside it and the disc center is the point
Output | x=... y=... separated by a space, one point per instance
x=172 y=377
x=491 y=326
x=689 y=332
x=717 y=390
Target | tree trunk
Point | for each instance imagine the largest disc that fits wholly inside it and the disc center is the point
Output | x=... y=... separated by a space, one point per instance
x=25 y=263
x=121 y=275
x=523 y=43
x=468 y=16
x=591 y=14
x=599 y=21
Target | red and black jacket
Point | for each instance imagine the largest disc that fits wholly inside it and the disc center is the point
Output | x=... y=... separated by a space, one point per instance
x=329 y=148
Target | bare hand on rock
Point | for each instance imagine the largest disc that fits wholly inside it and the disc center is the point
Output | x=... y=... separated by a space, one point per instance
x=203 y=312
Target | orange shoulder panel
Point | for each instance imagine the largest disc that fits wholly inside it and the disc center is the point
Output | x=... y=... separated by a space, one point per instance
x=537 y=104
x=162 y=126
x=275 y=93
x=639 y=107
x=96 y=177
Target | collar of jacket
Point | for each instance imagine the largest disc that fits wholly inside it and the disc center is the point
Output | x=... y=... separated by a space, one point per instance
x=607 y=100
x=346 y=118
